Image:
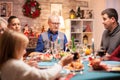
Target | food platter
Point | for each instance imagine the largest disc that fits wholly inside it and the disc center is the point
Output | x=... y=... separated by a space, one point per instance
x=41 y=56
x=46 y=57
x=73 y=69
x=75 y=66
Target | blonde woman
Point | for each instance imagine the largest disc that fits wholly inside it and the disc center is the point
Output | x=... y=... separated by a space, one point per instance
x=12 y=48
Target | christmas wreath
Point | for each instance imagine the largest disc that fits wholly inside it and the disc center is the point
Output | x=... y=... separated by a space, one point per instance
x=31 y=8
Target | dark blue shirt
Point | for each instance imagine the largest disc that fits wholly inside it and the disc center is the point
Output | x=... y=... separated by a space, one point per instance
x=40 y=44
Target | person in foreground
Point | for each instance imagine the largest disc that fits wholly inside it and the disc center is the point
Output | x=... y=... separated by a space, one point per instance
x=111 y=35
x=12 y=48
x=52 y=34
x=14 y=23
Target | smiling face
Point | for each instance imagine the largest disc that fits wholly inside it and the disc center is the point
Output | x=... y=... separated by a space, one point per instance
x=54 y=23
x=108 y=22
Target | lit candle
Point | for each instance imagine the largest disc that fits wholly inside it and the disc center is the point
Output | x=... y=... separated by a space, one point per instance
x=93 y=45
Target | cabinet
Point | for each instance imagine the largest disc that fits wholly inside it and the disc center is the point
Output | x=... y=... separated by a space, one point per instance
x=80 y=29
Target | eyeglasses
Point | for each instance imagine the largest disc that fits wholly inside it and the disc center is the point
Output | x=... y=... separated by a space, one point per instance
x=54 y=23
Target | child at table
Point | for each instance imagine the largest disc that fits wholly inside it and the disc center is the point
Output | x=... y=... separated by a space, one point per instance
x=12 y=48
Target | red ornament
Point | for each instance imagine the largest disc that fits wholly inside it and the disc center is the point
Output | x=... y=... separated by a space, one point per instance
x=31 y=8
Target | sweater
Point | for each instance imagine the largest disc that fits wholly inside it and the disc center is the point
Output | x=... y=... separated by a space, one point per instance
x=18 y=70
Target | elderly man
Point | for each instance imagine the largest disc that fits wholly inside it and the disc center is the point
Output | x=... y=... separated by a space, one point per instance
x=45 y=39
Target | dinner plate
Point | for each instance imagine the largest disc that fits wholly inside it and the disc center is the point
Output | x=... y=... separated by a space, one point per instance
x=77 y=70
x=45 y=64
x=115 y=69
x=114 y=66
x=74 y=70
x=112 y=63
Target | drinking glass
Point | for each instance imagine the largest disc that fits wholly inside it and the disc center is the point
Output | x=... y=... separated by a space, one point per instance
x=101 y=52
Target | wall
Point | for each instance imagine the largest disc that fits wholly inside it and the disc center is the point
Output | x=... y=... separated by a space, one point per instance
x=98 y=6
x=67 y=5
x=114 y=4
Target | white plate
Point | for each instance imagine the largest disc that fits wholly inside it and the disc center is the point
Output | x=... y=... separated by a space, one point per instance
x=44 y=65
x=114 y=69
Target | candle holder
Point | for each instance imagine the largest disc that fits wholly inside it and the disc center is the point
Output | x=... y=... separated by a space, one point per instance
x=72 y=14
x=93 y=49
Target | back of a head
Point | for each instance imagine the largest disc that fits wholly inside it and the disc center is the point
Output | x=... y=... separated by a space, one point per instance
x=10 y=42
x=111 y=12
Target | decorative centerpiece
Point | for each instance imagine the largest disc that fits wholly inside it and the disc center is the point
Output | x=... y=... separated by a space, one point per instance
x=31 y=8
x=78 y=14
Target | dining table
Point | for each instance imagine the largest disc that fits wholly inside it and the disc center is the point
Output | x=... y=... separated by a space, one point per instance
x=87 y=73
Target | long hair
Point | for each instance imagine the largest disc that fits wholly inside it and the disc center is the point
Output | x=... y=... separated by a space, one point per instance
x=11 y=43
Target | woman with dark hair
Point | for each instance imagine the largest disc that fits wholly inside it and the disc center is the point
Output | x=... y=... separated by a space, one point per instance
x=14 y=23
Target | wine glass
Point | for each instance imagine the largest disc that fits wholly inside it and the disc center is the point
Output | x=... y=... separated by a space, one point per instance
x=100 y=52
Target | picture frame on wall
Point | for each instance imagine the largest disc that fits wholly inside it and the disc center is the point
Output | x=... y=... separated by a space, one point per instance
x=83 y=3
x=6 y=9
x=86 y=13
x=56 y=8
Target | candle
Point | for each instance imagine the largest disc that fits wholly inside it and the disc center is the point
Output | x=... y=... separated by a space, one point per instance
x=93 y=45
